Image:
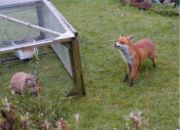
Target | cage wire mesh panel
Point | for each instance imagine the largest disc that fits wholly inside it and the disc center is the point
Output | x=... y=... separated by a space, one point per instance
x=53 y=77
x=35 y=12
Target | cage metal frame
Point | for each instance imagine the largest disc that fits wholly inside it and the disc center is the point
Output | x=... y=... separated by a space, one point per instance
x=68 y=39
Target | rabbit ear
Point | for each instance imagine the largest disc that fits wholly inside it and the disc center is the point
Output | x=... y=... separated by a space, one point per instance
x=30 y=80
x=29 y=77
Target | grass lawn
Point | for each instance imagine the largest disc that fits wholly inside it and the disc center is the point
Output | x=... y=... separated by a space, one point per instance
x=108 y=99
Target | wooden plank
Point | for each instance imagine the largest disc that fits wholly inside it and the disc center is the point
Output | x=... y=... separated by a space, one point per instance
x=78 y=88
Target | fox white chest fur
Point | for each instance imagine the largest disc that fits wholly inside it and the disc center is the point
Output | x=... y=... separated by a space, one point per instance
x=123 y=49
x=125 y=55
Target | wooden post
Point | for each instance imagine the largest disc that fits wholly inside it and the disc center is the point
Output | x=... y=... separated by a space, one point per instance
x=78 y=88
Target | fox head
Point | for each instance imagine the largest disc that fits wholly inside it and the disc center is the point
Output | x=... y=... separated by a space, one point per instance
x=123 y=42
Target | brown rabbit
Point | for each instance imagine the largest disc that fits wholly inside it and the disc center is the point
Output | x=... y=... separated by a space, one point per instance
x=21 y=80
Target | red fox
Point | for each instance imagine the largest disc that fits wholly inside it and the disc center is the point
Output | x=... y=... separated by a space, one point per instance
x=134 y=53
x=21 y=80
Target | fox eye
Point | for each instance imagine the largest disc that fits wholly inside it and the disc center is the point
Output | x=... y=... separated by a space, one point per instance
x=122 y=42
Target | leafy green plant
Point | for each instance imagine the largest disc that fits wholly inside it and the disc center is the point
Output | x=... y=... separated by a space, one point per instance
x=165 y=9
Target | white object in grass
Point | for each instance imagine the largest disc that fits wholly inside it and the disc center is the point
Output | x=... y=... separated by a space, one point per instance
x=23 y=55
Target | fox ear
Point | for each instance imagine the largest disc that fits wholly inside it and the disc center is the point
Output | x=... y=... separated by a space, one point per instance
x=130 y=37
x=121 y=35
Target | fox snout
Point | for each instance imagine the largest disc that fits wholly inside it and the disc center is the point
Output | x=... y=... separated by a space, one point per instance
x=116 y=45
x=120 y=46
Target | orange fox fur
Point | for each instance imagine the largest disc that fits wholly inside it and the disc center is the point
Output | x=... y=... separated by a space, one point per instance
x=134 y=54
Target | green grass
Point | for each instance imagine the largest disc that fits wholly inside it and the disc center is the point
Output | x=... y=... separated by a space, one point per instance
x=108 y=99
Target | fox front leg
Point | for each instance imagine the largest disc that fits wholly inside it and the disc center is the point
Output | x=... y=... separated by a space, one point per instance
x=128 y=72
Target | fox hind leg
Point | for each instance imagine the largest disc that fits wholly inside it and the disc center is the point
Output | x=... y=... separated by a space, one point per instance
x=152 y=57
x=153 y=61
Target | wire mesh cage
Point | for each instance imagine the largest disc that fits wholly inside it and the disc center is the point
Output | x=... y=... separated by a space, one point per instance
x=32 y=23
